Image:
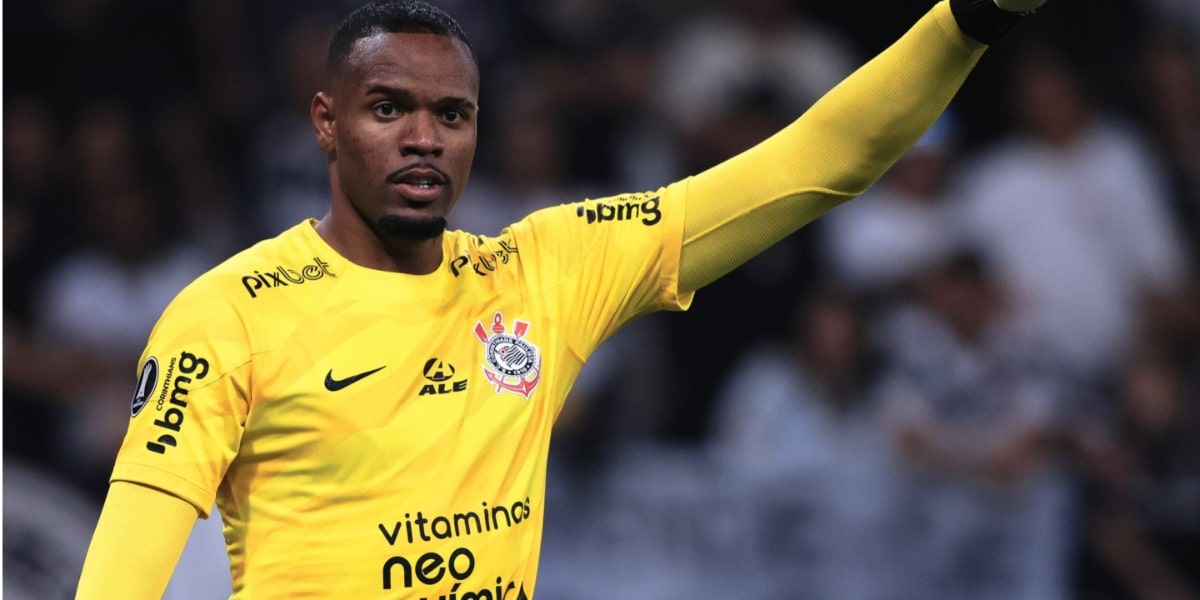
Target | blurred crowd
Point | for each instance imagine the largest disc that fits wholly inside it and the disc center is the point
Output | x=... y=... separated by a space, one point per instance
x=981 y=379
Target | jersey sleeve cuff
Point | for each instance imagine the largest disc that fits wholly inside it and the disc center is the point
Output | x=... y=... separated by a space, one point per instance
x=149 y=476
x=671 y=298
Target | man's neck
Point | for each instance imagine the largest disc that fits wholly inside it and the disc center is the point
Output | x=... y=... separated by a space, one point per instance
x=361 y=246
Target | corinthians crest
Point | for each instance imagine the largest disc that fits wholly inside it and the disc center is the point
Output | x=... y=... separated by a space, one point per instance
x=516 y=365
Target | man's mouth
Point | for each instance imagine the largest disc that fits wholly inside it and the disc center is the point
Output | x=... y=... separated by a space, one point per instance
x=422 y=176
x=420 y=183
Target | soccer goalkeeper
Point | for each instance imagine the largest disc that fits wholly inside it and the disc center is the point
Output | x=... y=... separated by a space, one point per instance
x=369 y=397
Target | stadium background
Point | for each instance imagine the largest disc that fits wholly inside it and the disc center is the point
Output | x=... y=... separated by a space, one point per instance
x=144 y=141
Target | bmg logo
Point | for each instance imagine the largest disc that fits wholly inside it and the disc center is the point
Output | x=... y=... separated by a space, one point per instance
x=622 y=208
x=189 y=366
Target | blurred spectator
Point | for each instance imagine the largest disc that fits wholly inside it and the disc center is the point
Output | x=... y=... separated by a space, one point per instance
x=34 y=201
x=797 y=428
x=225 y=70
x=286 y=169
x=878 y=242
x=196 y=186
x=660 y=523
x=728 y=76
x=1182 y=14
x=47 y=527
x=973 y=405
x=33 y=189
x=1073 y=211
x=592 y=62
x=1143 y=537
x=103 y=46
x=96 y=306
x=1171 y=107
x=786 y=405
x=35 y=236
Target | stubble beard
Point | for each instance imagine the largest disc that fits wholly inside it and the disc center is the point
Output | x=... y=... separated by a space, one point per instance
x=414 y=229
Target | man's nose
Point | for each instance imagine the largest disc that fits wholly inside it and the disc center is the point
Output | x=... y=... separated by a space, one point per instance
x=421 y=136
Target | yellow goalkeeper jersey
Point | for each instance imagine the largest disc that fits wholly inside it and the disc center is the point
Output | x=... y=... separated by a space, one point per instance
x=380 y=435
x=369 y=434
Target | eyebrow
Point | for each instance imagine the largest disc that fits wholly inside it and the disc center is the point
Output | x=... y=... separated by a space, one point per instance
x=404 y=94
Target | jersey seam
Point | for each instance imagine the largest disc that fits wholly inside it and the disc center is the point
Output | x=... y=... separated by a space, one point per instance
x=119 y=475
x=754 y=207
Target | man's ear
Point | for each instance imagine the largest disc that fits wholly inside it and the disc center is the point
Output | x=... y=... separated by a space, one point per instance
x=323 y=116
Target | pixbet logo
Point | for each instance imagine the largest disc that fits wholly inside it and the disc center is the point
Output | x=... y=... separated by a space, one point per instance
x=172 y=420
x=482 y=262
x=282 y=276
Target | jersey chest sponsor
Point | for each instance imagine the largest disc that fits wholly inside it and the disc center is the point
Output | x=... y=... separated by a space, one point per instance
x=283 y=276
x=441 y=378
x=483 y=263
x=509 y=360
x=457 y=569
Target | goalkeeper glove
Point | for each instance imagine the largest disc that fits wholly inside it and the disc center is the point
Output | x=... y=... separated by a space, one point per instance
x=1019 y=6
x=988 y=20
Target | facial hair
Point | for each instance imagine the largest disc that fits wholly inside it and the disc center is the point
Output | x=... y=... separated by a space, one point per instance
x=391 y=227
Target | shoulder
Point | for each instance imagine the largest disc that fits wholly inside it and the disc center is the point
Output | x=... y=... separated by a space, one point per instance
x=250 y=272
x=245 y=291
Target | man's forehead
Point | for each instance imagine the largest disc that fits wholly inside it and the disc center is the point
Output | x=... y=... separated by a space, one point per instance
x=410 y=51
x=388 y=59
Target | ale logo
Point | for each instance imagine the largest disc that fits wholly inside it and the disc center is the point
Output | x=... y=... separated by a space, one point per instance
x=440 y=377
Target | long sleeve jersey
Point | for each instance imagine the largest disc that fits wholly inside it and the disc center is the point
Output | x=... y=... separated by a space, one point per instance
x=370 y=434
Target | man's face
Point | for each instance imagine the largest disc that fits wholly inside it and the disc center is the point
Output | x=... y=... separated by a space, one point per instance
x=403 y=130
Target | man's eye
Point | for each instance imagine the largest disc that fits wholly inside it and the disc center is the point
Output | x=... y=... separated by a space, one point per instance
x=453 y=115
x=385 y=109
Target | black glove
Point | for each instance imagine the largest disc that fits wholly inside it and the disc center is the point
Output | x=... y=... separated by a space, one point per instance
x=988 y=20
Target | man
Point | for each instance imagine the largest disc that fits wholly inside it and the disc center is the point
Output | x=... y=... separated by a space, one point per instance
x=369 y=398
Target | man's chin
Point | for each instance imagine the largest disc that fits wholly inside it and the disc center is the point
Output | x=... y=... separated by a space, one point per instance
x=396 y=227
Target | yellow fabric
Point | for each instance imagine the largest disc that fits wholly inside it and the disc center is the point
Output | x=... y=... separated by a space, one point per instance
x=834 y=152
x=138 y=540
x=369 y=434
x=426 y=475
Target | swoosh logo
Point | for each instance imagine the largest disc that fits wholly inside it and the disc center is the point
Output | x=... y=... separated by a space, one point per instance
x=334 y=385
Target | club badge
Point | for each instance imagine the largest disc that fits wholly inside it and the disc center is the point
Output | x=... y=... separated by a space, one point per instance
x=515 y=364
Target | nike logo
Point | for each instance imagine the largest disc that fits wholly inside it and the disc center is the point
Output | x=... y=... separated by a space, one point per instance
x=334 y=385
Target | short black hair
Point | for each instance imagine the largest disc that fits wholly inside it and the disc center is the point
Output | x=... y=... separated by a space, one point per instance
x=391 y=16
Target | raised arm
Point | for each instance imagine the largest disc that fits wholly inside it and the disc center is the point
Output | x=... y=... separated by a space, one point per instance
x=841 y=145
